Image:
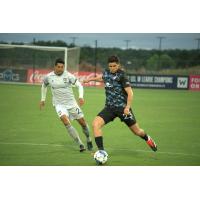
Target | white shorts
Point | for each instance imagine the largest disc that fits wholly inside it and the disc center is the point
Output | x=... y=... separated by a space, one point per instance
x=72 y=113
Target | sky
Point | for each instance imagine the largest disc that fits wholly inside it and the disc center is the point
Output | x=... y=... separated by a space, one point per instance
x=119 y=40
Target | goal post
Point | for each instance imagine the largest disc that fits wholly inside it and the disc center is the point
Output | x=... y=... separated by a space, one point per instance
x=24 y=60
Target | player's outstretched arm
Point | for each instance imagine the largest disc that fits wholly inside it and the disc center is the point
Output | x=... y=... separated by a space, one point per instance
x=80 y=91
x=97 y=78
x=81 y=101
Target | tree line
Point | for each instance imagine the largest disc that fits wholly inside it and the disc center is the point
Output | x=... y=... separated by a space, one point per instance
x=132 y=59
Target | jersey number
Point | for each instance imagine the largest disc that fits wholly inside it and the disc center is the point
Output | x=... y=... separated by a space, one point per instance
x=78 y=111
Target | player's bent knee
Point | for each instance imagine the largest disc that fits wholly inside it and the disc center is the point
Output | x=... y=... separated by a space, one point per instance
x=65 y=120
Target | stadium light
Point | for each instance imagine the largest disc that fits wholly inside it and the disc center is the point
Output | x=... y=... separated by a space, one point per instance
x=127 y=42
x=95 y=59
x=198 y=43
x=160 y=49
x=73 y=40
x=160 y=42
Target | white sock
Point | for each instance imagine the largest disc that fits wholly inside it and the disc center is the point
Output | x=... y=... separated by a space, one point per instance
x=74 y=134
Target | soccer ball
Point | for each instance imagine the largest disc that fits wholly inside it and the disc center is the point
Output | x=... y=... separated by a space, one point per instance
x=101 y=157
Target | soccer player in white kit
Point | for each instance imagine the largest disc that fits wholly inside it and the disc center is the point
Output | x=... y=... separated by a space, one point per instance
x=64 y=102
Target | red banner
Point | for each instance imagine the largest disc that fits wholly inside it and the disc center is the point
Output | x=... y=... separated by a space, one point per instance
x=194 y=83
x=38 y=75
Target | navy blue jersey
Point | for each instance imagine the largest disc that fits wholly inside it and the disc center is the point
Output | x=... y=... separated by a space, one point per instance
x=115 y=83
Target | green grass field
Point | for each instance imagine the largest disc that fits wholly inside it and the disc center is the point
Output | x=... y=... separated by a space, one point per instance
x=30 y=137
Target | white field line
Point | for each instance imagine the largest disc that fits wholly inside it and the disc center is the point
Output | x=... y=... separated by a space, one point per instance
x=121 y=149
x=31 y=144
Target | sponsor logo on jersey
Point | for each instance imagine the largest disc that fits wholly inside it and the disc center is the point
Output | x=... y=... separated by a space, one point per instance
x=116 y=78
x=108 y=85
x=65 y=80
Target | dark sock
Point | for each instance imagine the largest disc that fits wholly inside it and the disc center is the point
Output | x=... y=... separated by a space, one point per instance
x=99 y=142
x=145 y=137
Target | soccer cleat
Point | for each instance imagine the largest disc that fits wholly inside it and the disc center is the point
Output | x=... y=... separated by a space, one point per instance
x=89 y=146
x=151 y=144
x=82 y=148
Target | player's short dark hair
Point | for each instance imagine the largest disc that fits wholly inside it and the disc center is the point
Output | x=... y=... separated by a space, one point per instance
x=113 y=59
x=59 y=60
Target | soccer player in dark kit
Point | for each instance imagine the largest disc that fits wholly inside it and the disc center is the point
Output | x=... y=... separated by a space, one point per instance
x=119 y=96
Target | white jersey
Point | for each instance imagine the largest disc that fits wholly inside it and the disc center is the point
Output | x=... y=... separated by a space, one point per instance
x=61 y=88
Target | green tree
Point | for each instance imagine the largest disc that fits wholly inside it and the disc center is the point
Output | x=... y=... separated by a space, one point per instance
x=152 y=62
x=163 y=62
x=166 y=62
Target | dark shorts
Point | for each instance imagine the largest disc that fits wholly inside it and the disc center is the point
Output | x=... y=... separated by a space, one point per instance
x=110 y=113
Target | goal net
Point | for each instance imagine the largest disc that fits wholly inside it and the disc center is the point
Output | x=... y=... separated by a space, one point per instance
x=29 y=63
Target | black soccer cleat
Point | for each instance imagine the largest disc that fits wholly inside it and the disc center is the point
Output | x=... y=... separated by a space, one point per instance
x=89 y=146
x=82 y=148
x=151 y=144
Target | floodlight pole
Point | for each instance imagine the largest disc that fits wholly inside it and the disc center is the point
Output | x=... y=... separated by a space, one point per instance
x=34 y=40
x=127 y=47
x=127 y=42
x=198 y=43
x=160 y=49
x=160 y=42
x=65 y=59
x=34 y=67
x=95 y=59
x=73 y=40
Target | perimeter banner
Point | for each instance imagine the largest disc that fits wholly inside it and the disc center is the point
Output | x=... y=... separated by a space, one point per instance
x=194 y=83
x=159 y=81
x=37 y=75
x=13 y=75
